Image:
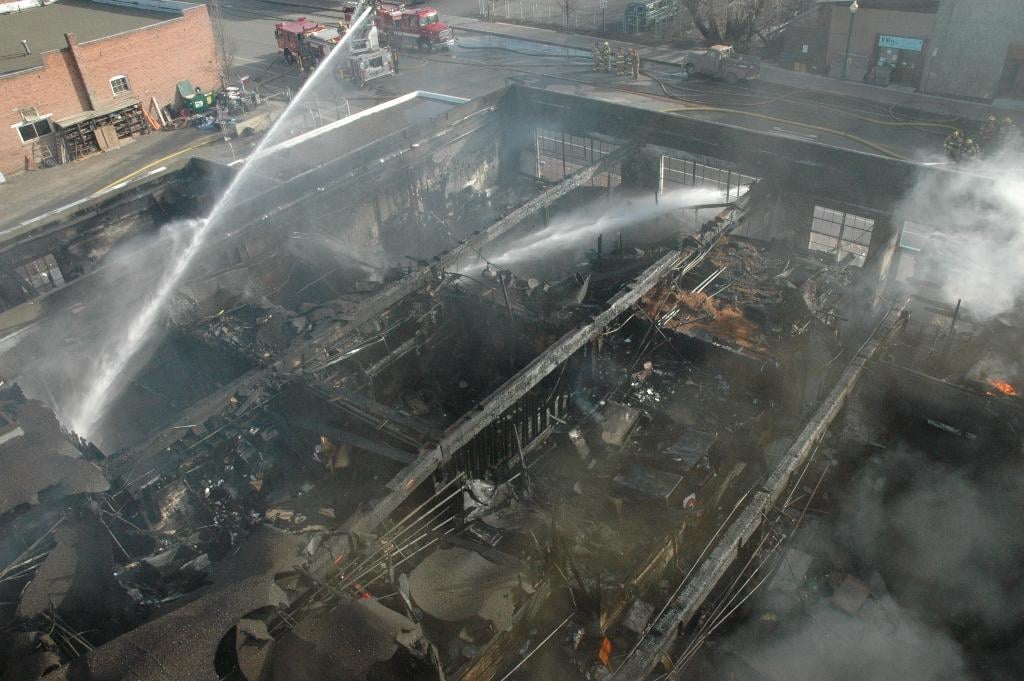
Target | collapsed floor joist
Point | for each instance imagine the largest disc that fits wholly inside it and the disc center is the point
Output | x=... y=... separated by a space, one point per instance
x=392 y=294
x=664 y=631
x=516 y=387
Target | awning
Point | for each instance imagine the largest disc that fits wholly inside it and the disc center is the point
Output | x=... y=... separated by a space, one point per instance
x=114 y=106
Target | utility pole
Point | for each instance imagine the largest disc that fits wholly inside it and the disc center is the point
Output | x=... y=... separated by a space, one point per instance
x=849 y=34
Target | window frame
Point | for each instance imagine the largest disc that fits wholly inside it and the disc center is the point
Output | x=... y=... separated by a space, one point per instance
x=42 y=273
x=33 y=123
x=127 y=85
x=849 y=234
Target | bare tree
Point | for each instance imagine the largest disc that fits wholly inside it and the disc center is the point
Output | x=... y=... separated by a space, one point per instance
x=568 y=8
x=735 y=22
x=225 y=49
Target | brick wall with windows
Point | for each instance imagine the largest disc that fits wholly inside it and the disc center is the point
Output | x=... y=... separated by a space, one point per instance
x=147 y=62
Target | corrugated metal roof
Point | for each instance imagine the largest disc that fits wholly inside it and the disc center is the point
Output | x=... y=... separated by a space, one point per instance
x=44 y=28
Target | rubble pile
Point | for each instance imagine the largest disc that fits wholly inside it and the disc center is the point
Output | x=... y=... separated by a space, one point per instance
x=750 y=299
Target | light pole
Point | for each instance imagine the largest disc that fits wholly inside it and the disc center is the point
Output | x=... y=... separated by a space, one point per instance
x=849 y=34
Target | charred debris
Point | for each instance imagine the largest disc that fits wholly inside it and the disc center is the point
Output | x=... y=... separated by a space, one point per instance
x=643 y=390
x=579 y=464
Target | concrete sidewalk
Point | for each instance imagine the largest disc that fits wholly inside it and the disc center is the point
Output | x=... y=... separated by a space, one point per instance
x=770 y=74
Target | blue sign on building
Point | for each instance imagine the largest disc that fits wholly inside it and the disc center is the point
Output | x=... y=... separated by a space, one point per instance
x=899 y=43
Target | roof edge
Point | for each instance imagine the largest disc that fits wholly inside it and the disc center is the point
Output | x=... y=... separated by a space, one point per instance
x=334 y=125
x=170 y=6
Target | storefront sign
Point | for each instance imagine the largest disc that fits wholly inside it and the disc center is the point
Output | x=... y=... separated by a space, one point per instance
x=897 y=43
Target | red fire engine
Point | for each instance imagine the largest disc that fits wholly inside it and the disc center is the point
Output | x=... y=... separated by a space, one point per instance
x=413 y=27
x=308 y=43
x=293 y=39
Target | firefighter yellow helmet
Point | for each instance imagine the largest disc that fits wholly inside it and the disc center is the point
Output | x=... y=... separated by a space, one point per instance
x=1007 y=121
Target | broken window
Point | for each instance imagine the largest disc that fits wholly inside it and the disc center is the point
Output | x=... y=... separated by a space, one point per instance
x=561 y=154
x=914 y=236
x=43 y=274
x=30 y=131
x=842 y=234
x=687 y=173
x=927 y=257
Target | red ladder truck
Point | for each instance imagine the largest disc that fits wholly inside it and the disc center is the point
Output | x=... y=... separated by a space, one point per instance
x=308 y=43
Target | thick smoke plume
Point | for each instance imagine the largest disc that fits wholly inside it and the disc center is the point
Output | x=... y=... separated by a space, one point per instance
x=945 y=539
x=974 y=219
x=829 y=645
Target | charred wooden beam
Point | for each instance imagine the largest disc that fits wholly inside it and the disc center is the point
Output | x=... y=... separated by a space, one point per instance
x=398 y=353
x=665 y=630
x=392 y=294
x=374 y=447
x=463 y=430
x=492 y=407
x=362 y=403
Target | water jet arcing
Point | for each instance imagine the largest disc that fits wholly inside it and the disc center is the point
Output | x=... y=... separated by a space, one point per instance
x=107 y=373
x=571 y=230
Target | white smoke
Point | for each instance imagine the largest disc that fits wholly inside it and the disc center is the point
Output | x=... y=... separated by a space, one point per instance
x=829 y=645
x=115 y=357
x=975 y=219
x=577 y=229
x=941 y=544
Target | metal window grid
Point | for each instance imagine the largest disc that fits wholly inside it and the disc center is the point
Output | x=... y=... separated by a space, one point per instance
x=840 y=233
x=119 y=84
x=690 y=173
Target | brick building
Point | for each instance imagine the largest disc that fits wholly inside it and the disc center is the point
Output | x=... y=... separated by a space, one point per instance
x=74 y=65
x=962 y=48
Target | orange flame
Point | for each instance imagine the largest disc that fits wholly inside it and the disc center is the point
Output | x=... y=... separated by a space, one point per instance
x=1003 y=386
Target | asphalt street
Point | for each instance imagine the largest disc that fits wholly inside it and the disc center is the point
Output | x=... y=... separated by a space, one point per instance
x=480 y=63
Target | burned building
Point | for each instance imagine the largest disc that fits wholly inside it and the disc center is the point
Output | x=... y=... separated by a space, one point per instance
x=519 y=387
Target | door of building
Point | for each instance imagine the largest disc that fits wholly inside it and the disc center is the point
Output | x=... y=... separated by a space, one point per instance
x=899 y=60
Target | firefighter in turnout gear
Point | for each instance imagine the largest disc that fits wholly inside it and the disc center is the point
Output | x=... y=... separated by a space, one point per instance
x=969 y=151
x=597 y=56
x=636 y=63
x=987 y=134
x=621 y=62
x=606 y=55
x=628 y=62
x=615 y=60
x=954 y=145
